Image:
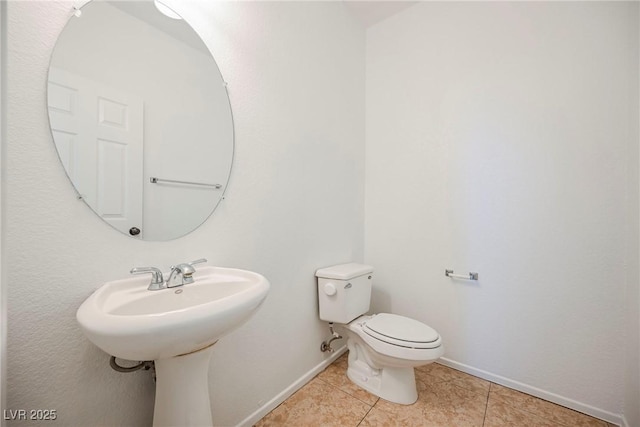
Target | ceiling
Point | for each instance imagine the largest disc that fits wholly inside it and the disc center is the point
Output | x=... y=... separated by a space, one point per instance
x=177 y=28
x=372 y=12
x=366 y=11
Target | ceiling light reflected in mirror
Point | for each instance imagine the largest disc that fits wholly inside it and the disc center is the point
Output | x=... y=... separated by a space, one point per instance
x=166 y=10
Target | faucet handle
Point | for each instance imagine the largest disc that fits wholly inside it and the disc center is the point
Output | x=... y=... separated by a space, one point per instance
x=187 y=270
x=157 y=280
x=187 y=274
x=182 y=274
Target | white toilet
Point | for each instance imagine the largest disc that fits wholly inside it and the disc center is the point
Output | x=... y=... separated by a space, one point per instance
x=383 y=348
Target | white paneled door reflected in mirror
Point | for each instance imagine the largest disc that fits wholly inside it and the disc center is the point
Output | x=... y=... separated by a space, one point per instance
x=141 y=119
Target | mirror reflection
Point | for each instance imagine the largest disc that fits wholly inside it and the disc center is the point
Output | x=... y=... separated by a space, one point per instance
x=141 y=119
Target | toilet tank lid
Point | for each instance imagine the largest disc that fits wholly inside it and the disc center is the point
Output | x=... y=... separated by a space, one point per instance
x=344 y=271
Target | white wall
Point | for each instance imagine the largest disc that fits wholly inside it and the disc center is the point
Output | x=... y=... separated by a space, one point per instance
x=631 y=409
x=3 y=300
x=498 y=138
x=295 y=203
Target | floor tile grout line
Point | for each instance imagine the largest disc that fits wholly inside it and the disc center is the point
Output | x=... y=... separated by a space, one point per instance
x=346 y=392
x=486 y=406
x=509 y=402
x=512 y=404
x=365 y=416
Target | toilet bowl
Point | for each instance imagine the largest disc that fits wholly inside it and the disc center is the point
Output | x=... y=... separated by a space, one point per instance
x=384 y=348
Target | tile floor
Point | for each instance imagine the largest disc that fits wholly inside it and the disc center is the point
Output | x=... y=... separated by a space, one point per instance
x=446 y=398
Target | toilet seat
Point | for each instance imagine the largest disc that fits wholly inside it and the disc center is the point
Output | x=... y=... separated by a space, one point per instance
x=402 y=349
x=401 y=331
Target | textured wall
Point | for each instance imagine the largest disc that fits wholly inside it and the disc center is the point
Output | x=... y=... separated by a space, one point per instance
x=295 y=203
x=3 y=299
x=631 y=409
x=497 y=141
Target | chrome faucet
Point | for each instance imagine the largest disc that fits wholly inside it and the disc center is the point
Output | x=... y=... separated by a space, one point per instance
x=181 y=274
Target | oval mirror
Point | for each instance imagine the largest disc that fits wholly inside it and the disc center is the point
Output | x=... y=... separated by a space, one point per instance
x=140 y=117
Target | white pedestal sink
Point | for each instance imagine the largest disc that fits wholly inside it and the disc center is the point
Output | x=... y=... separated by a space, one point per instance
x=176 y=328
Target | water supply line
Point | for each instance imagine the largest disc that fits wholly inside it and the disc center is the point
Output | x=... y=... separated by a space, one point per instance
x=146 y=365
x=326 y=345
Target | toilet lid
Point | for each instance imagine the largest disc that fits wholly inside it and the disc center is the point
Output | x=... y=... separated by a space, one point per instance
x=400 y=330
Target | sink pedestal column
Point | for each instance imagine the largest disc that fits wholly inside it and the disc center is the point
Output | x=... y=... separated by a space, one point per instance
x=182 y=390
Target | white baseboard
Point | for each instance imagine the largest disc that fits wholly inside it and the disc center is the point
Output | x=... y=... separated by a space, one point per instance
x=542 y=394
x=624 y=422
x=287 y=392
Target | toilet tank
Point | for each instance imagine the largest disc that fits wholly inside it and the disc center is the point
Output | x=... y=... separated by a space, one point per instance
x=344 y=291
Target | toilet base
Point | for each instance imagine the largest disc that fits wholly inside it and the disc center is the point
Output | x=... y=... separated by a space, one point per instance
x=397 y=385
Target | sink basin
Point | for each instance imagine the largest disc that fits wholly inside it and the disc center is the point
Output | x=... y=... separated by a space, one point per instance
x=176 y=328
x=128 y=321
